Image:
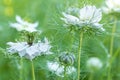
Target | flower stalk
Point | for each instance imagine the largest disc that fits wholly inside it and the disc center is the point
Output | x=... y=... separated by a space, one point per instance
x=21 y=71
x=33 y=72
x=79 y=53
x=65 y=76
x=111 y=50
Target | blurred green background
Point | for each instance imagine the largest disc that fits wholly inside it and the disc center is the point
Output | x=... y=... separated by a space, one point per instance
x=48 y=13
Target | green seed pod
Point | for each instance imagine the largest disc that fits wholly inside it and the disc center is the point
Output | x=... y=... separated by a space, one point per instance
x=67 y=59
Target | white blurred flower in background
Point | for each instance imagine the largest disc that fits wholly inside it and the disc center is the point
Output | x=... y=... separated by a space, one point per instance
x=29 y=51
x=87 y=16
x=94 y=64
x=21 y=25
x=59 y=69
x=111 y=6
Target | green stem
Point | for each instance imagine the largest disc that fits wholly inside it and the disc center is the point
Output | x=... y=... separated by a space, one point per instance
x=115 y=55
x=112 y=59
x=33 y=73
x=65 y=73
x=79 y=54
x=72 y=40
x=111 y=50
x=21 y=64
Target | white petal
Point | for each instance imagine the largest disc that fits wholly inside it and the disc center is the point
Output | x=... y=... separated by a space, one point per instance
x=86 y=13
x=35 y=24
x=70 y=19
x=19 y=27
x=55 y=67
x=21 y=46
x=17 y=47
x=97 y=16
x=46 y=40
x=24 y=25
x=48 y=53
x=19 y=20
x=22 y=53
x=98 y=26
x=44 y=47
x=30 y=29
x=32 y=51
x=10 y=43
x=89 y=14
x=59 y=69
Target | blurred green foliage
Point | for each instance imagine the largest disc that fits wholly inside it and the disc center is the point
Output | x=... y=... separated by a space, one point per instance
x=48 y=13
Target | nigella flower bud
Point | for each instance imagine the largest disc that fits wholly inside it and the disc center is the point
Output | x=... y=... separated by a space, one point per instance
x=66 y=59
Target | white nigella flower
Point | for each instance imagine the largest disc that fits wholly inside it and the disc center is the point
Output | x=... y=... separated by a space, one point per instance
x=24 y=25
x=59 y=69
x=87 y=16
x=29 y=51
x=94 y=63
x=112 y=6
